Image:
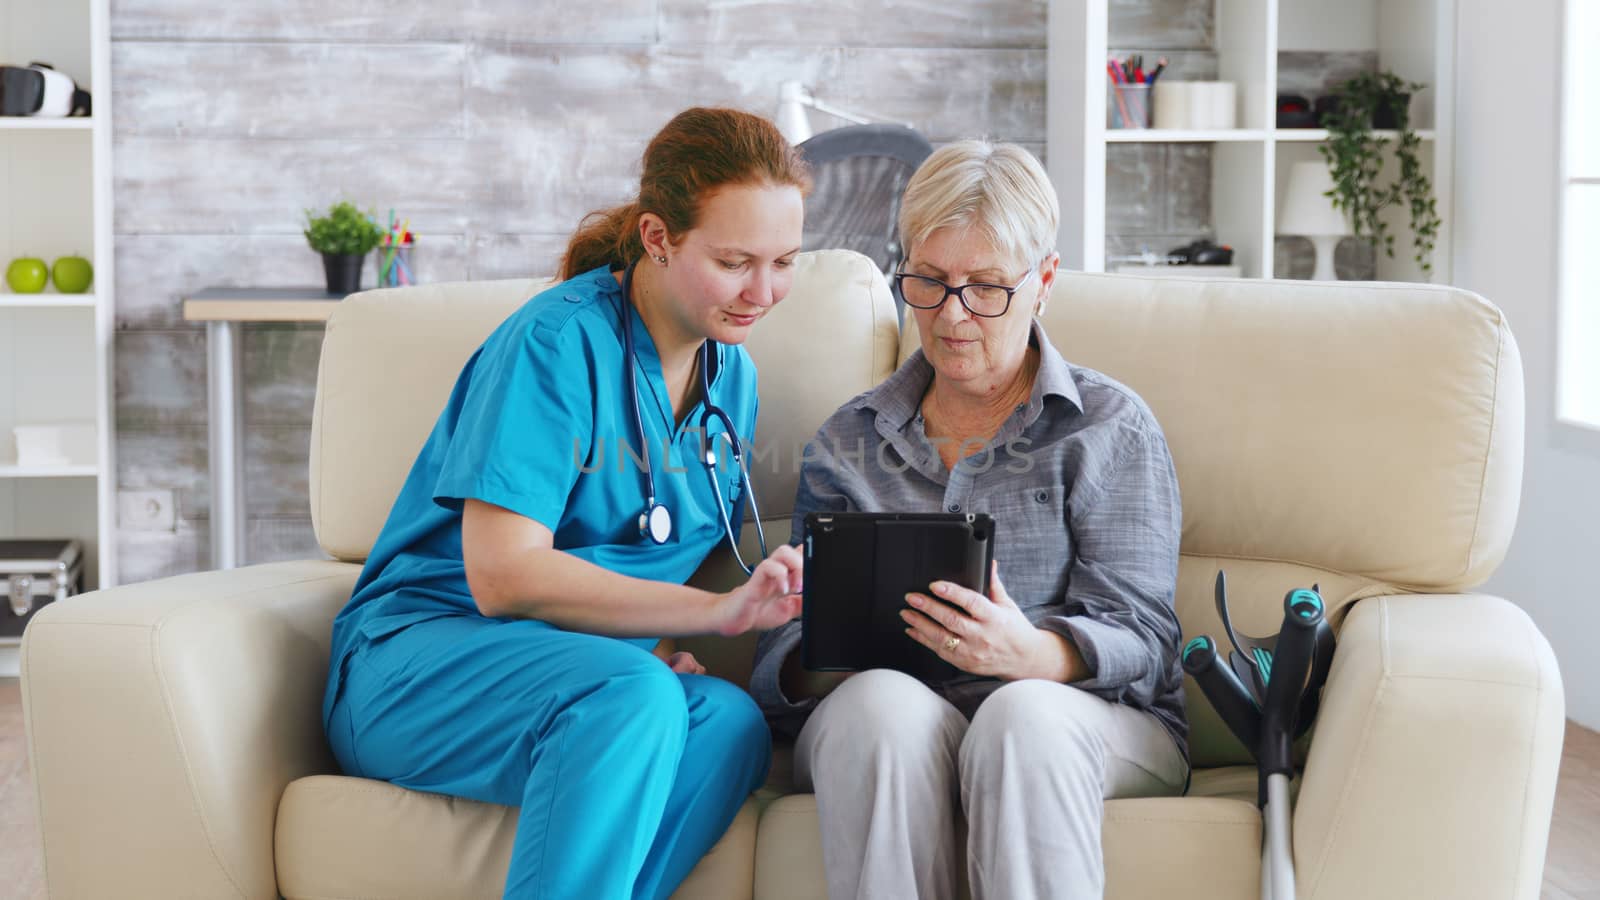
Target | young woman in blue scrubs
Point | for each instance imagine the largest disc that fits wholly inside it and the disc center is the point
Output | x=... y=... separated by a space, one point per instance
x=499 y=643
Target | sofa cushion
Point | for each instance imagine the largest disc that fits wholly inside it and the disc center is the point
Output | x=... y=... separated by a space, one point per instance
x=1168 y=847
x=390 y=358
x=340 y=837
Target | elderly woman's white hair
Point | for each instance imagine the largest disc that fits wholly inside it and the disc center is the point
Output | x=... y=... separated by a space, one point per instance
x=999 y=188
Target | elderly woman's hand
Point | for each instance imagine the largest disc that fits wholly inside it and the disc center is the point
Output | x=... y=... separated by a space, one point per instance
x=992 y=638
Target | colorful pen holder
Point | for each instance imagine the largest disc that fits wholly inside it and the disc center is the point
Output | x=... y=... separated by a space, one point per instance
x=394 y=264
x=1127 y=105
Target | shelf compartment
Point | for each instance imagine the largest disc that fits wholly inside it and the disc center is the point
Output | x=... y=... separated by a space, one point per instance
x=1240 y=201
x=1403 y=266
x=54 y=507
x=49 y=197
x=52 y=371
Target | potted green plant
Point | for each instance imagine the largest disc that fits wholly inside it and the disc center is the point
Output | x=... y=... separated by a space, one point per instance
x=344 y=237
x=1355 y=160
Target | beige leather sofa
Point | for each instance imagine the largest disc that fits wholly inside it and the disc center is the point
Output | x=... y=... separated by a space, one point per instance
x=1364 y=436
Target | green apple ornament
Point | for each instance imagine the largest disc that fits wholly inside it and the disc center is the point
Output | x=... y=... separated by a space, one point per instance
x=27 y=275
x=72 y=274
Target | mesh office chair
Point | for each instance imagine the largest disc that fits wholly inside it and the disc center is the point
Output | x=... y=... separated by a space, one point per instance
x=860 y=171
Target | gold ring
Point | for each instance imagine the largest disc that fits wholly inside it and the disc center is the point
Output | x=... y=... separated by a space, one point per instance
x=951 y=643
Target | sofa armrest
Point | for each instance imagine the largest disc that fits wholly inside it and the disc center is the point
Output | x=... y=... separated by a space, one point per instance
x=164 y=721
x=1433 y=769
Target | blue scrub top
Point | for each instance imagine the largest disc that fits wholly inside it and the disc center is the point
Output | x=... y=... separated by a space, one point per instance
x=540 y=423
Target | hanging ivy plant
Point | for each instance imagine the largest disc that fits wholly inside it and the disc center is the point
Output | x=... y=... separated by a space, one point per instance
x=1355 y=160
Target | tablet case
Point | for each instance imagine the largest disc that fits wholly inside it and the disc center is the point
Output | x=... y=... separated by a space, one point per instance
x=858 y=569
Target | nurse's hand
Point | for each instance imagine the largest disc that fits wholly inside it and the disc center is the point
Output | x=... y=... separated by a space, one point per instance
x=684 y=663
x=770 y=598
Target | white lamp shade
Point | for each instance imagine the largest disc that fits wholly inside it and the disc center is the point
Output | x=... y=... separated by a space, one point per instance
x=1305 y=209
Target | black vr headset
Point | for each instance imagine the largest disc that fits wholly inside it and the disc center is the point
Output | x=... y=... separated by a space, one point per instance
x=37 y=89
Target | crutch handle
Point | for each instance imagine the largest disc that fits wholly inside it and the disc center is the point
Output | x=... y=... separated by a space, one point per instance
x=1228 y=697
x=1291 y=663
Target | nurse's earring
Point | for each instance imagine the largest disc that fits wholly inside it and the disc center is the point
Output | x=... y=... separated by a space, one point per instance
x=662 y=260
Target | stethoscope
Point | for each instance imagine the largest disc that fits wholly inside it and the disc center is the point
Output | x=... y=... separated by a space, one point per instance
x=655 y=522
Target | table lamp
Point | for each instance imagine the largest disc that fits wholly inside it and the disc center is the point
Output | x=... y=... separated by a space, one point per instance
x=1308 y=211
x=795 y=125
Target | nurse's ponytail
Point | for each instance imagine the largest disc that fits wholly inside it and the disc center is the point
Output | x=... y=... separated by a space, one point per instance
x=700 y=150
x=604 y=237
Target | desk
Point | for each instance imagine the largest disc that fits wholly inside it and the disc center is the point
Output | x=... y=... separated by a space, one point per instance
x=225 y=310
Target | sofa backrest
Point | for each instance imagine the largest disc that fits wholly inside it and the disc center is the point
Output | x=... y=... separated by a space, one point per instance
x=389 y=361
x=391 y=357
x=1371 y=429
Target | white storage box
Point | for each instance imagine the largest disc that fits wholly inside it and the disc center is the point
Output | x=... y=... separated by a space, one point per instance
x=61 y=444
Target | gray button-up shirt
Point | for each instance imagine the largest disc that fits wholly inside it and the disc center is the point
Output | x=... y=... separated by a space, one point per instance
x=1087 y=522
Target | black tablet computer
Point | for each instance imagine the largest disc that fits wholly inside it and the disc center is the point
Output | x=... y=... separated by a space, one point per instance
x=859 y=568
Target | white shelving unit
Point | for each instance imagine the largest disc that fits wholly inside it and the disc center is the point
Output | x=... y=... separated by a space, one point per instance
x=1412 y=38
x=55 y=349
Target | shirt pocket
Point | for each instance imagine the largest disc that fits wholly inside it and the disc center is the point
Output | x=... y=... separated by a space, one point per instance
x=727 y=481
x=724 y=473
x=1033 y=543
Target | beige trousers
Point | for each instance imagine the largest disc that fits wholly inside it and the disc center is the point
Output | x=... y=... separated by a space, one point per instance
x=895 y=766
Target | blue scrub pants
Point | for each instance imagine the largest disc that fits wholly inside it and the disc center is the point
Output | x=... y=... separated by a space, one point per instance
x=626 y=772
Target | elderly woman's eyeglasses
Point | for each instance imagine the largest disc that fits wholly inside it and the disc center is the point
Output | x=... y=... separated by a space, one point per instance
x=985 y=300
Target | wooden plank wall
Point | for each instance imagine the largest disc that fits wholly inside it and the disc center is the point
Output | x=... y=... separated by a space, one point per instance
x=494 y=125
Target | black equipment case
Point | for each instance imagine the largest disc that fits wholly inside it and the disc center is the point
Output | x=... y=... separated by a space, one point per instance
x=35 y=573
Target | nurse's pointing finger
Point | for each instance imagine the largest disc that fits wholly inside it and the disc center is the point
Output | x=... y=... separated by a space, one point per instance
x=789 y=556
x=793 y=563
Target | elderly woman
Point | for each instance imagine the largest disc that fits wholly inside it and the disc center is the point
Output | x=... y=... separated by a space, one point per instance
x=1070 y=691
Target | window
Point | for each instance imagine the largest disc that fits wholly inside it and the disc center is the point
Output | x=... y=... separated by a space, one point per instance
x=1578 y=382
